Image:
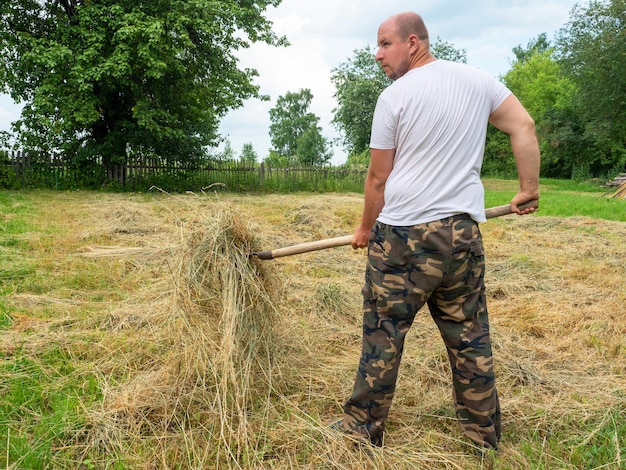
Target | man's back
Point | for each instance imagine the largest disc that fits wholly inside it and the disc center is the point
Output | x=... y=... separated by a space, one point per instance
x=435 y=117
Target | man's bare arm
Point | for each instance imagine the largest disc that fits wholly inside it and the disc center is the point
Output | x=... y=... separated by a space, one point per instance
x=511 y=117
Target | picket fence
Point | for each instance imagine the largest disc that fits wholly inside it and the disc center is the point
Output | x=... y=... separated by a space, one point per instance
x=232 y=175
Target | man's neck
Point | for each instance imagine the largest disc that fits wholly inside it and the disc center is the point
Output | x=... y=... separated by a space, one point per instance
x=421 y=60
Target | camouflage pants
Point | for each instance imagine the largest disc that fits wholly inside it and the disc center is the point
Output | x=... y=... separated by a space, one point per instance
x=442 y=264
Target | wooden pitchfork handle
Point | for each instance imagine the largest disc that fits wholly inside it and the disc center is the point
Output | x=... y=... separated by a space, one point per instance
x=490 y=213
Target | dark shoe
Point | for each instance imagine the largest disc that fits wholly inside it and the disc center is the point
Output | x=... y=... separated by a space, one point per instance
x=359 y=437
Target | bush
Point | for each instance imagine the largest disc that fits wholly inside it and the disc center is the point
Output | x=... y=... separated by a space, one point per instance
x=8 y=177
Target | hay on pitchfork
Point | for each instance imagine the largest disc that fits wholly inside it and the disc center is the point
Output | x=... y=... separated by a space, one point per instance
x=224 y=285
x=217 y=327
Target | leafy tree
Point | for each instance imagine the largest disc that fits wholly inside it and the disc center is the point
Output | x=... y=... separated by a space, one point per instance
x=540 y=44
x=539 y=84
x=537 y=80
x=100 y=78
x=313 y=147
x=592 y=46
x=548 y=94
x=227 y=154
x=248 y=154
x=358 y=83
x=359 y=160
x=276 y=160
x=566 y=152
x=294 y=131
x=446 y=51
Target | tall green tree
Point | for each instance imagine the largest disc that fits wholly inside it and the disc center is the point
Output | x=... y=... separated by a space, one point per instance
x=313 y=148
x=592 y=46
x=358 y=82
x=294 y=130
x=539 y=84
x=540 y=44
x=537 y=80
x=248 y=154
x=100 y=78
x=227 y=153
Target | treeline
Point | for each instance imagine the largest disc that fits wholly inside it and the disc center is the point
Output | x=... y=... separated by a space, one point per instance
x=575 y=88
x=106 y=83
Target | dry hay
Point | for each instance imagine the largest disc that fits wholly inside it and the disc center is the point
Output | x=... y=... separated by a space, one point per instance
x=556 y=295
x=211 y=322
x=110 y=218
x=222 y=361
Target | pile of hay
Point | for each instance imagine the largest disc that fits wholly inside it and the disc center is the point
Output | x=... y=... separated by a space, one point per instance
x=205 y=365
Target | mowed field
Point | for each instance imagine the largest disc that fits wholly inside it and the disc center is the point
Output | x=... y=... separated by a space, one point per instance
x=136 y=332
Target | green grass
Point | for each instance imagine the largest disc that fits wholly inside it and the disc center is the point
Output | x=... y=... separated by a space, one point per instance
x=596 y=442
x=42 y=403
x=42 y=396
x=562 y=198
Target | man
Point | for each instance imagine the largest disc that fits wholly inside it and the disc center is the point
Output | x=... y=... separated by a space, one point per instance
x=423 y=202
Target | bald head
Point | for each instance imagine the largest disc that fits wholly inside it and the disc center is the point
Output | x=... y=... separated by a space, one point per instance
x=403 y=44
x=408 y=23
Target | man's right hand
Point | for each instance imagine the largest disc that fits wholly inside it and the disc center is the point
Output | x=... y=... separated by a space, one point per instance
x=361 y=237
x=521 y=198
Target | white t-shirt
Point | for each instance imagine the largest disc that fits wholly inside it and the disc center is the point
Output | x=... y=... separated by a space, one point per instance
x=435 y=117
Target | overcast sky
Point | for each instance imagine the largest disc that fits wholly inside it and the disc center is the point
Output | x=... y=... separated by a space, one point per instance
x=325 y=33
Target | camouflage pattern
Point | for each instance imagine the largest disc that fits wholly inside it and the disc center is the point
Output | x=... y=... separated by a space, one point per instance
x=440 y=264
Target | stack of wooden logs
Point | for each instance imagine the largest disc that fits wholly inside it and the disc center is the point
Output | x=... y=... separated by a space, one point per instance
x=618 y=182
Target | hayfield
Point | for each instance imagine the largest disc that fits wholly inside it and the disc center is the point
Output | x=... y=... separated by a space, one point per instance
x=137 y=333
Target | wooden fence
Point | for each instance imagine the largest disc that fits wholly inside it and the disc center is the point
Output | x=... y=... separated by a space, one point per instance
x=37 y=170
